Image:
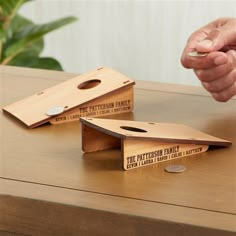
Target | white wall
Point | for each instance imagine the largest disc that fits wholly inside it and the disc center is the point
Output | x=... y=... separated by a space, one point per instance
x=142 y=39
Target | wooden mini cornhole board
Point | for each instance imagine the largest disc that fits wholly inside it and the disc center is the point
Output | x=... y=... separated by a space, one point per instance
x=97 y=93
x=145 y=143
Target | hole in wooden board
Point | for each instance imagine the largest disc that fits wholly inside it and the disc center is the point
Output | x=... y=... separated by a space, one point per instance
x=89 y=84
x=134 y=129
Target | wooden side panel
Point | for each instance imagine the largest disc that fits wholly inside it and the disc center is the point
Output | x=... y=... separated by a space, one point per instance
x=94 y=140
x=137 y=153
x=116 y=102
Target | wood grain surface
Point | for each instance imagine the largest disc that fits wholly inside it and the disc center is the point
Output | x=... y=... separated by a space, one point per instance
x=48 y=186
x=70 y=94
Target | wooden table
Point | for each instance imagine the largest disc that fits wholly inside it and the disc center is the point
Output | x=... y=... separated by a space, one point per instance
x=49 y=187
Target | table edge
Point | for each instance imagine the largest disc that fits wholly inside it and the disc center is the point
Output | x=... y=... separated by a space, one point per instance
x=120 y=205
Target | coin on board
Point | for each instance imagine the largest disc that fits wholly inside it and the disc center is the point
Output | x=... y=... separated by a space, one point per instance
x=55 y=111
x=197 y=54
x=175 y=168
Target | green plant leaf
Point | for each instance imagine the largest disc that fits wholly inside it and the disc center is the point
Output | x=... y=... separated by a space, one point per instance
x=10 y=7
x=17 y=23
x=31 y=33
x=24 y=57
x=21 y=41
x=33 y=61
x=39 y=30
x=2 y=33
x=47 y=63
x=35 y=48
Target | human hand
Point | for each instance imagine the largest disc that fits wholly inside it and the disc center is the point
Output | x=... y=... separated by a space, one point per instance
x=216 y=70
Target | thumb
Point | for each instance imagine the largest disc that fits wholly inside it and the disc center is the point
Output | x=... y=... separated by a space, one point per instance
x=216 y=40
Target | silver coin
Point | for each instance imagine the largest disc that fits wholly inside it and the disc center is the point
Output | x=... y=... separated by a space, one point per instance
x=197 y=54
x=175 y=168
x=55 y=111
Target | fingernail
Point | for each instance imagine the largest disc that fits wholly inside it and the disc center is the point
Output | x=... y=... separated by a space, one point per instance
x=220 y=60
x=233 y=52
x=205 y=43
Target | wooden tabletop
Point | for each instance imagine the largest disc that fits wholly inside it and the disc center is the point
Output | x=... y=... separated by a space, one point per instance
x=48 y=186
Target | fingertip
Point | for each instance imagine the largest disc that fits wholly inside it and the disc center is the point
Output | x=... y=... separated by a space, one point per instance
x=220 y=60
x=185 y=62
x=217 y=58
x=225 y=95
x=220 y=98
x=232 y=56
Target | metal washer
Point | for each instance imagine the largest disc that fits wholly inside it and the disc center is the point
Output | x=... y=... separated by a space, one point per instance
x=55 y=111
x=197 y=54
x=175 y=168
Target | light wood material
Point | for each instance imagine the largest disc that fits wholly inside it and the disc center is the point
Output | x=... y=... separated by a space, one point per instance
x=137 y=153
x=49 y=186
x=48 y=210
x=145 y=143
x=145 y=130
x=117 y=102
x=78 y=98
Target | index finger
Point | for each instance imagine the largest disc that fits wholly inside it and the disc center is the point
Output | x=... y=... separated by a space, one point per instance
x=207 y=61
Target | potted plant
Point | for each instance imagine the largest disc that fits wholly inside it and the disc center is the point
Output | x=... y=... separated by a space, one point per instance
x=21 y=41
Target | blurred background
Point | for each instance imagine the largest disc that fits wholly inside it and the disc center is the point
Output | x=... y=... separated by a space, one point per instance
x=143 y=39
